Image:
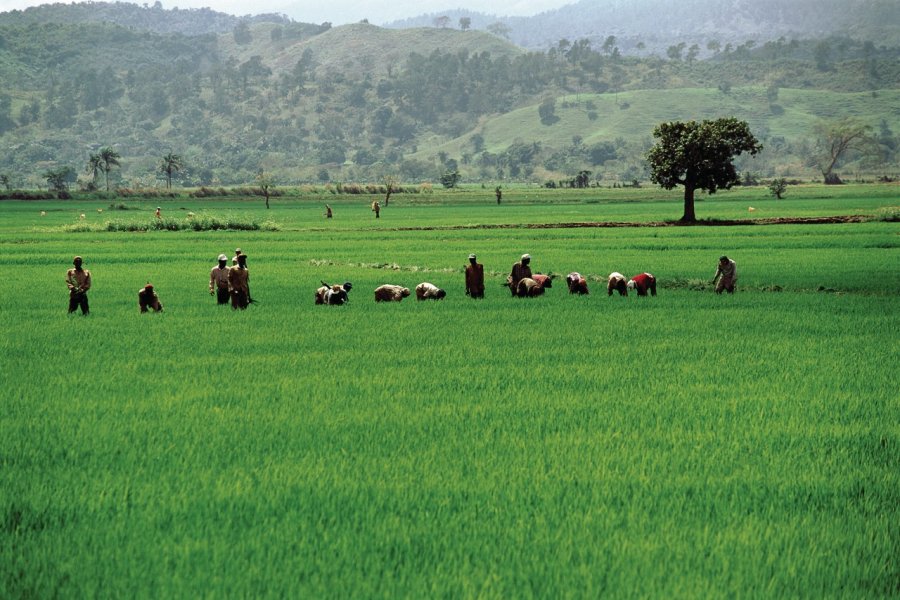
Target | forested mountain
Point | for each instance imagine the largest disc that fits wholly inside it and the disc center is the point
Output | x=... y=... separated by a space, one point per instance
x=646 y=26
x=310 y=102
x=192 y=21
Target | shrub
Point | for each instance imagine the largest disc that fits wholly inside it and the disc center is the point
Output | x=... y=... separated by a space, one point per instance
x=777 y=187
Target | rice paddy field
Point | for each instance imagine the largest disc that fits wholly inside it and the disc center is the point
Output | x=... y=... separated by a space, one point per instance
x=687 y=445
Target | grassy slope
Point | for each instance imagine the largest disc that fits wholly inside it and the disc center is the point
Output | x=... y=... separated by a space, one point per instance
x=647 y=108
x=683 y=445
x=361 y=49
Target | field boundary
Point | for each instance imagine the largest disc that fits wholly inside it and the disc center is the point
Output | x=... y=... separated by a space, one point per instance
x=617 y=224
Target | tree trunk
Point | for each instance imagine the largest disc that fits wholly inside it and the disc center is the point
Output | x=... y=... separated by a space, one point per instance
x=267 y=200
x=689 y=215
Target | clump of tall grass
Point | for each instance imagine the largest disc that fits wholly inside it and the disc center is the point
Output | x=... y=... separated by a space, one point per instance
x=890 y=214
x=221 y=192
x=191 y=223
x=125 y=192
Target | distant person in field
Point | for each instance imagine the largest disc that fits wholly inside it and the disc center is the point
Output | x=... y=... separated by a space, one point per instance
x=391 y=293
x=643 y=283
x=239 y=283
x=617 y=283
x=376 y=208
x=520 y=271
x=234 y=259
x=474 y=278
x=218 y=281
x=148 y=298
x=726 y=275
x=333 y=295
x=78 y=280
x=576 y=283
x=158 y=212
x=499 y=193
x=429 y=291
x=328 y=213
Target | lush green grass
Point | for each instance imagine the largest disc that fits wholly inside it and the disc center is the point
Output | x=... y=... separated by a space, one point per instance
x=632 y=115
x=684 y=445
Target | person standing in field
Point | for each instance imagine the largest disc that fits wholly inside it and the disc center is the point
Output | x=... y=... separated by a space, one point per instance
x=474 y=278
x=328 y=213
x=520 y=271
x=376 y=207
x=234 y=259
x=78 y=279
x=499 y=193
x=148 y=298
x=218 y=280
x=726 y=275
x=239 y=283
x=158 y=212
x=643 y=283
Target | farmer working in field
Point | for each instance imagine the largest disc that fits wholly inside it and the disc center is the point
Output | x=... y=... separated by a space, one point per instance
x=218 y=280
x=234 y=259
x=147 y=298
x=78 y=280
x=616 y=283
x=643 y=283
x=726 y=274
x=328 y=213
x=474 y=278
x=520 y=271
x=239 y=283
x=376 y=208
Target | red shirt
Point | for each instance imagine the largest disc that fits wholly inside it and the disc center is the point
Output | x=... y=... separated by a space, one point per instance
x=642 y=282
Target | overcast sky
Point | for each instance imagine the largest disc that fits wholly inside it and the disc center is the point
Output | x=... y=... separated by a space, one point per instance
x=339 y=12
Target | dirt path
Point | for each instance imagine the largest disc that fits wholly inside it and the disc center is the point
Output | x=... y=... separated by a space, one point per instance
x=704 y=223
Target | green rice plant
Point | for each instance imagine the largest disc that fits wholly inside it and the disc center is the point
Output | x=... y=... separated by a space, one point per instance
x=192 y=222
x=684 y=445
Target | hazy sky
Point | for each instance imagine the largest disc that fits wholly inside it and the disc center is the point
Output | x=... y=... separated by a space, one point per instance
x=343 y=11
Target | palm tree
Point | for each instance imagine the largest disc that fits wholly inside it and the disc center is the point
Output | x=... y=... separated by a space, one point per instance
x=110 y=159
x=94 y=166
x=170 y=163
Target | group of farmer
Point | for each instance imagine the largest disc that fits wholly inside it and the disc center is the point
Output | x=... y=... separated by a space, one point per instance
x=232 y=284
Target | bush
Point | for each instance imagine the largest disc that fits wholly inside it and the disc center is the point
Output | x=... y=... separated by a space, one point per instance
x=777 y=187
x=23 y=195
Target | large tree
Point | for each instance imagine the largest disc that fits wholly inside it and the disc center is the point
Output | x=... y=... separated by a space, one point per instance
x=699 y=156
x=835 y=139
x=110 y=159
x=170 y=163
x=94 y=166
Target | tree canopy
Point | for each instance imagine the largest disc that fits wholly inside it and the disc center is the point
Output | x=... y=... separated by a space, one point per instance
x=699 y=156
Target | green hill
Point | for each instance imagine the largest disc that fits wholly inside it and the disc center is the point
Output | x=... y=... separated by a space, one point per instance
x=360 y=49
x=315 y=103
